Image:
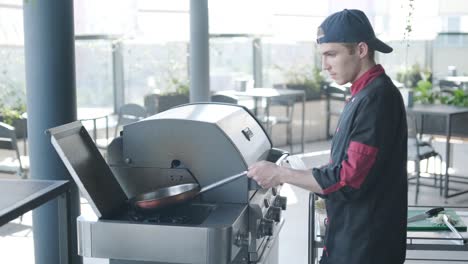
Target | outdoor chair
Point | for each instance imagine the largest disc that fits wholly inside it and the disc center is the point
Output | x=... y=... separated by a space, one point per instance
x=151 y=102
x=336 y=96
x=271 y=120
x=418 y=151
x=15 y=164
x=129 y=113
x=221 y=98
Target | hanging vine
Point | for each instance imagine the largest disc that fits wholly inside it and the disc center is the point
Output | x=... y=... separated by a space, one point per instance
x=408 y=29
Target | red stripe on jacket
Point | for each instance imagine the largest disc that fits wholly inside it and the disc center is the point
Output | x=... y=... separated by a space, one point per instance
x=361 y=158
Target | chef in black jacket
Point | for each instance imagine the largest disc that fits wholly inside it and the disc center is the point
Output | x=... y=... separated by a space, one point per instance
x=365 y=182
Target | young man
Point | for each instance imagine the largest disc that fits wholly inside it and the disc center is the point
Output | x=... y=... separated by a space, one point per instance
x=365 y=182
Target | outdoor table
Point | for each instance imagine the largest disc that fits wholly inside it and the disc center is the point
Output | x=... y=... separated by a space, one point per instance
x=20 y=196
x=460 y=81
x=416 y=240
x=448 y=112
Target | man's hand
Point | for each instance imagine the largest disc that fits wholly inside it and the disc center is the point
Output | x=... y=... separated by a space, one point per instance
x=266 y=174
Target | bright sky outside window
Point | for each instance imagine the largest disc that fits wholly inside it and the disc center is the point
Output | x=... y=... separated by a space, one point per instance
x=11 y=23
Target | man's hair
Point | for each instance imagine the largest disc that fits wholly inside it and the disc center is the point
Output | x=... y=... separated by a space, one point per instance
x=352 y=48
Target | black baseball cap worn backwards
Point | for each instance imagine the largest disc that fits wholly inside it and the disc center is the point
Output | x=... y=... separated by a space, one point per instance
x=350 y=26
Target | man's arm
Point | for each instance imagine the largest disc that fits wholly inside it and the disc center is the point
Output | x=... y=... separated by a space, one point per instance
x=303 y=179
x=268 y=174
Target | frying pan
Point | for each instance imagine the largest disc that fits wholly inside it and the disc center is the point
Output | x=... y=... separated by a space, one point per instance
x=176 y=194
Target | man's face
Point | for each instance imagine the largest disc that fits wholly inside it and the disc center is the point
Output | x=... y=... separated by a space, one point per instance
x=342 y=65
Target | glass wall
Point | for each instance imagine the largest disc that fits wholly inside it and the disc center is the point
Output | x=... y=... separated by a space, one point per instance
x=231 y=61
x=153 y=68
x=12 y=70
x=155 y=37
x=12 y=77
x=282 y=60
x=94 y=79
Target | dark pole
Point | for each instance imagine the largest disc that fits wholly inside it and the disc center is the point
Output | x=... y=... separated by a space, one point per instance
x=199 y=52
x=51 y=101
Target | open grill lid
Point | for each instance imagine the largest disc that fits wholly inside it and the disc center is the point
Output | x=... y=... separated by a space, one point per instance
x=88 y=168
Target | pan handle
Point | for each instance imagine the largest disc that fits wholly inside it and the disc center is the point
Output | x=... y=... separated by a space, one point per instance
x=237 y=176
x=222 y=182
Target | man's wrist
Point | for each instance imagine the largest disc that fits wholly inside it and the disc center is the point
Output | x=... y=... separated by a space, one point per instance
x=283 y=176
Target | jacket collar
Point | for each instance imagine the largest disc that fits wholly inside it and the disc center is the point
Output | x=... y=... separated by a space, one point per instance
x=366 y=78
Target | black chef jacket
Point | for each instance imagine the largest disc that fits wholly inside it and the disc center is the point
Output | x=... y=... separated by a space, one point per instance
x=365 y=183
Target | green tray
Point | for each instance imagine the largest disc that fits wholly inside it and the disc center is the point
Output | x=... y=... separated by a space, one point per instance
x=428 y=225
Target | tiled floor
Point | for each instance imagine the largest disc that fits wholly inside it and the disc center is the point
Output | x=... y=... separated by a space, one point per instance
x=16 y=242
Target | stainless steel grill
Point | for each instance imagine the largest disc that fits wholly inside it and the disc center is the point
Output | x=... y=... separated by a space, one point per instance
x=196 y=143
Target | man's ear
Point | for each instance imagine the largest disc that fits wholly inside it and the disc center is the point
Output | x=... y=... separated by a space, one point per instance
x=362 y=49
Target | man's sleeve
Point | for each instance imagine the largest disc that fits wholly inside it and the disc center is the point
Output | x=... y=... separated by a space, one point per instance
x=371 y=135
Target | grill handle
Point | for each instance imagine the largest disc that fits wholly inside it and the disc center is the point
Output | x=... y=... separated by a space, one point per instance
x=282 y=158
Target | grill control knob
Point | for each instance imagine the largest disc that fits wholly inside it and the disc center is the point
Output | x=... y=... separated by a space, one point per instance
x=242 y=239
x=266 y=227
x=274 y=213
x=281 y=201
x=274 y=191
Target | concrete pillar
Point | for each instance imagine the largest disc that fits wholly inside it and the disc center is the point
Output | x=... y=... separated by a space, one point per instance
x=257 y=62
x=118 y=75
x=199 y=52
x=51 y=101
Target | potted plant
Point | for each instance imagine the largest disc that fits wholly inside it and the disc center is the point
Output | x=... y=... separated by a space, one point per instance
x=307 y=78
x=12 y=108
x=176 y=94
x=416 y=85
x=425 y=94
x=170 y=88
x=410 y=78
x=175 y=97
